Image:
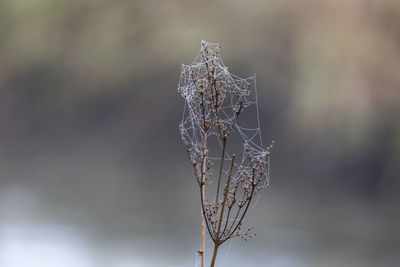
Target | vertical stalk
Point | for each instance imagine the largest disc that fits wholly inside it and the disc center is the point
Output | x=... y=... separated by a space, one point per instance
x=220 y=170
x=216 y=246
x=202 y=189
x=203 y=182
x=203 y=234
x=217 y=237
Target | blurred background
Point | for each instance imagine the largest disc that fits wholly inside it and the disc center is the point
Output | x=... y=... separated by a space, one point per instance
x=93 y=172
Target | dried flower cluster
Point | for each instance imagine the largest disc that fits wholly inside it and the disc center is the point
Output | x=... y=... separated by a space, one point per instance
x=214 y=101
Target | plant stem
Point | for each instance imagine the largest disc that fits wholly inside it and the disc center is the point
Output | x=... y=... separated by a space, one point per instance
x=202 y=188
x=216 y=246
x=203 y=197
x=203 y=236
x=220 y=170
x=217 y=237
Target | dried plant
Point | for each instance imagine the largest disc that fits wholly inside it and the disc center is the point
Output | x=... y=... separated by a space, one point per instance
x=214 y=101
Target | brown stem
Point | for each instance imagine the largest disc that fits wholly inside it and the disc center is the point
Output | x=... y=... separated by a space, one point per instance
x=233 y=223
x=203 y=185
x=227 y=220
x=243 y=214
x=224 y=201
x=220 y=171
x=202 y=189
x=214 y=257
x=217 y=237
x=203 y=234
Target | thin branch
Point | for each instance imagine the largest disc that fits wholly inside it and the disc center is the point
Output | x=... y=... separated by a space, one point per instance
x=244 y=213
x=220 y=170
x=225 y=197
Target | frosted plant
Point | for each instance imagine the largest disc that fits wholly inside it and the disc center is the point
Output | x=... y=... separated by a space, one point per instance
x=215 y=100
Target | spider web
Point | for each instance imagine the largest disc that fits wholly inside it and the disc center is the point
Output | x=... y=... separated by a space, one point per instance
x=238 y=93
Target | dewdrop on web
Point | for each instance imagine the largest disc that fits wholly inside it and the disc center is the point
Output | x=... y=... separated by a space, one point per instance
x=230 y=164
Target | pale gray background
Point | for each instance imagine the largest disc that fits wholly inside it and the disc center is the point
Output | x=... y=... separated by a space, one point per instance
x=92 y=169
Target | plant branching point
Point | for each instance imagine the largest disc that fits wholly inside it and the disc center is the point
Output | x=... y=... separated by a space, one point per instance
x=214 y=102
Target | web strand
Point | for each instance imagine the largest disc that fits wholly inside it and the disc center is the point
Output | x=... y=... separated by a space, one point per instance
x=219 y=104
